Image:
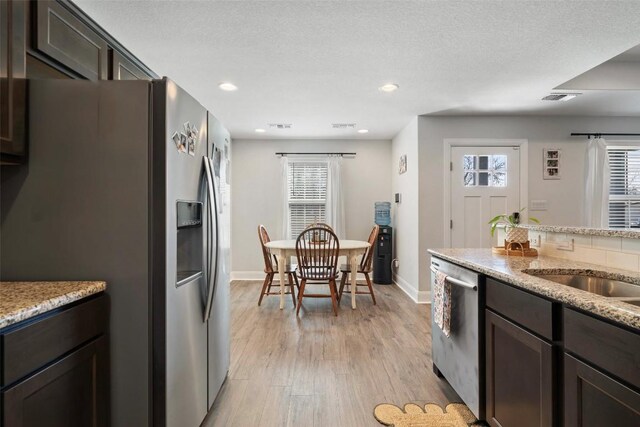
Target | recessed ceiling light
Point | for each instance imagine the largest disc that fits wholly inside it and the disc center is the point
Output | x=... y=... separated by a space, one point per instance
x=229 y=87
x=363 y=130
x=260 y=130
x=389 y=87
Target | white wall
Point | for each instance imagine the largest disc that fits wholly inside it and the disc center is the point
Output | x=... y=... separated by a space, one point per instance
x=564 y=197
x=256 y=193
x=406 y=215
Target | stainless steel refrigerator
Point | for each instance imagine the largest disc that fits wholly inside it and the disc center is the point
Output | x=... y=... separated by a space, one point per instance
x=128 y=182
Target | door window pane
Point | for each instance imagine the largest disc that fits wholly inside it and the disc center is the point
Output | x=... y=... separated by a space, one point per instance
x=499 y=179
x=485 y=170
x=469 y=179
x=483 y=179
x=483 y=162
x=469 y=162
x=499 y=162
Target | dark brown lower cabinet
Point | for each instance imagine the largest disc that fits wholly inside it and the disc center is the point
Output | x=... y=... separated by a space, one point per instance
x=593 y=399
x=71 y=392
x=519 y=376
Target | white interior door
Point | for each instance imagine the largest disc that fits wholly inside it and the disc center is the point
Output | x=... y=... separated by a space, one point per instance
x=485 y=182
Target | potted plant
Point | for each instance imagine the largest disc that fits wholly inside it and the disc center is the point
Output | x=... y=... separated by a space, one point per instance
x=514 y=233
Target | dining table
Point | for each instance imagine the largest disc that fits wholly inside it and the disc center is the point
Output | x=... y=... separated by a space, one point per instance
x=284 y=249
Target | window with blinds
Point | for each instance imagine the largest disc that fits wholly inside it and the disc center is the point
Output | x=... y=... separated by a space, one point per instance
x=624 y=187
x=307 y=183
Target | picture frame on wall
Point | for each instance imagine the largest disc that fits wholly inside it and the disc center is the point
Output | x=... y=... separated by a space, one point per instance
x=402 y=167
x=551 y=163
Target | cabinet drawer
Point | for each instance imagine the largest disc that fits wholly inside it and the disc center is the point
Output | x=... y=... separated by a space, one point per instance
x=32 y=346
x=530 y=311
x=609 y=347
x=63 y=37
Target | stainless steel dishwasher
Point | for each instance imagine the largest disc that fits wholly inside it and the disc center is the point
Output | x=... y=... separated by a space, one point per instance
x=459 y=357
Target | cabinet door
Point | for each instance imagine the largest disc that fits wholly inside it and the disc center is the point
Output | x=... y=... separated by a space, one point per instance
x=71 y=392
x=63 y=37
x=123 y=69
x=592 y=399
x=519 y=376
x=12 y=81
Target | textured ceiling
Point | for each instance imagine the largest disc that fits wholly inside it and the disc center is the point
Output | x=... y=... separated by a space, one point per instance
x=314 y=63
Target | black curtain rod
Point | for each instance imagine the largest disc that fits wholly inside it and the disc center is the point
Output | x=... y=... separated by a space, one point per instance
x=316 y=154
x=599 y=134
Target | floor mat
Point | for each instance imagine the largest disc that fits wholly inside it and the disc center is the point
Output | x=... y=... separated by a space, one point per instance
x=454 y=415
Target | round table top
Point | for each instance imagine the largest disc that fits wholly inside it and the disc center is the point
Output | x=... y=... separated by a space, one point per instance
x=291 y=244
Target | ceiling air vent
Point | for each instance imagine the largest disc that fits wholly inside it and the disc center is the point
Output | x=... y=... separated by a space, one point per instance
x=560 y=96
x=280 y=125
x=343 y=125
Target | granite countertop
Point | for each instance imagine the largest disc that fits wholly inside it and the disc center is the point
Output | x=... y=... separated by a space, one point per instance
x=510 y=270
x=23 y=300
x=630 y=233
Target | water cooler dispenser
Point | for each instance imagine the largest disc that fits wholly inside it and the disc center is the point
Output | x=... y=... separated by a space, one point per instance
x=382 y=256
x=383 y=249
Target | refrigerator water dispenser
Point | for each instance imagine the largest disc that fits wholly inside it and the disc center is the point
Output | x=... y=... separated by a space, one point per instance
x=190 y=257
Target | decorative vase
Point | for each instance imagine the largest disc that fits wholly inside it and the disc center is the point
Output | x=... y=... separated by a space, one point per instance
x=517 y=234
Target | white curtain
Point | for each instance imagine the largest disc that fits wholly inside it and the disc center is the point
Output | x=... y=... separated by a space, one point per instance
x=335 y=204
x=284 y=173
x=596 y=201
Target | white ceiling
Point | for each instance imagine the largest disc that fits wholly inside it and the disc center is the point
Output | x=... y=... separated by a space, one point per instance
x=312 y=63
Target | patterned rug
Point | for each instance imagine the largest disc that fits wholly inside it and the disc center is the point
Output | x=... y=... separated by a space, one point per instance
x=454 y=415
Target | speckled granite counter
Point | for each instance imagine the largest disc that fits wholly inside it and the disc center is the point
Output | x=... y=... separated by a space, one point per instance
x=510 y=270
x=22 y=300
x=630 y=233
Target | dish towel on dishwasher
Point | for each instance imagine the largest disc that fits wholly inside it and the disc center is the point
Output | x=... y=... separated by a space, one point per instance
x=442 y=302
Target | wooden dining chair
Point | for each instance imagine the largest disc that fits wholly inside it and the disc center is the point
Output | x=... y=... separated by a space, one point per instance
x=271 y=269
x=364 y=267
x=317 y=250
x=321 y=225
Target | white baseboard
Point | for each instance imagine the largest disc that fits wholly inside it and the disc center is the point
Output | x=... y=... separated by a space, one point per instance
x=248 y=275
x=419 y=297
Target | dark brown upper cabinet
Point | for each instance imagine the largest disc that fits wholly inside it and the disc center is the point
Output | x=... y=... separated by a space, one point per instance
x=124 y=69
x=63 y=37
x=13 y=83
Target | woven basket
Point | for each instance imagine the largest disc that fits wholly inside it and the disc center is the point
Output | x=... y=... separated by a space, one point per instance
x=517 y=234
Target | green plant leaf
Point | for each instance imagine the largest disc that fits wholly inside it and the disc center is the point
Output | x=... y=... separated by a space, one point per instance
x=495 y=219
x=508 y=220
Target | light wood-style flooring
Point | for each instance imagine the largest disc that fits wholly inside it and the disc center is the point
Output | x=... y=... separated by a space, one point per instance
x=321 y=370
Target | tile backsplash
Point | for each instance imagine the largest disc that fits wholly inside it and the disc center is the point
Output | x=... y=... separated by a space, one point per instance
x=610 y=251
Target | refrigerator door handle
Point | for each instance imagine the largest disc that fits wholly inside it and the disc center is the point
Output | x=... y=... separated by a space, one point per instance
x=213 y=235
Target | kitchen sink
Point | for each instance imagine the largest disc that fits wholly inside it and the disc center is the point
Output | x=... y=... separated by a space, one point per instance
x=596 y=285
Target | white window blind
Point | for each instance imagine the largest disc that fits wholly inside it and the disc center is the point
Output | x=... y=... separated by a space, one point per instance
x=307 y=183
x=624 y=187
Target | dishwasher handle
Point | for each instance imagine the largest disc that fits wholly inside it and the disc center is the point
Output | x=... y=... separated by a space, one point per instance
x=457 y=282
